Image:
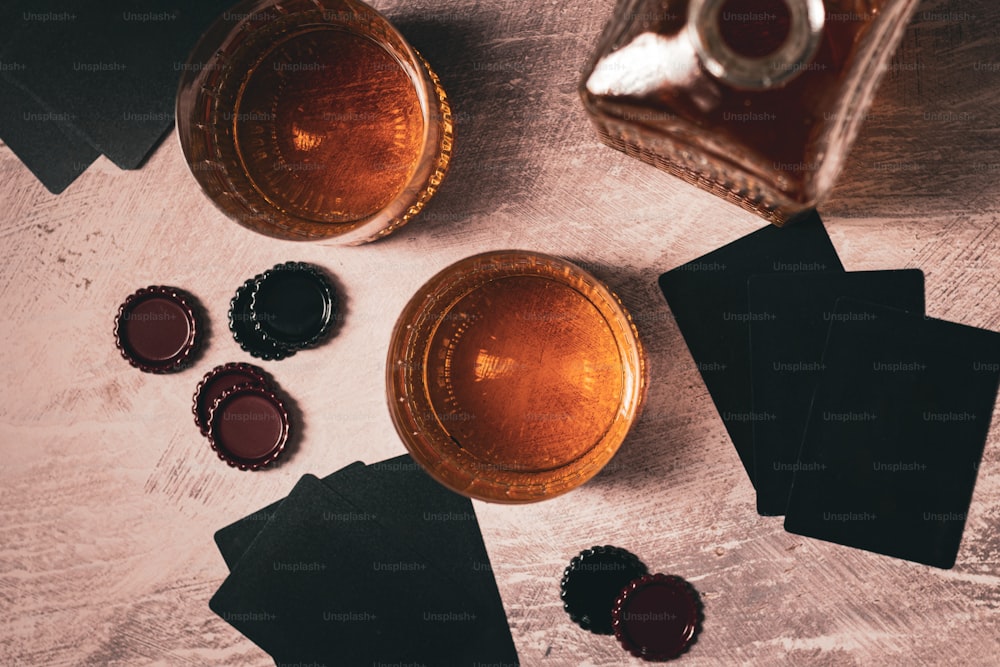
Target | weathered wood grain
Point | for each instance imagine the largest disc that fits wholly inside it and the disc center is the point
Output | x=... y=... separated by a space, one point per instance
x=109 y=496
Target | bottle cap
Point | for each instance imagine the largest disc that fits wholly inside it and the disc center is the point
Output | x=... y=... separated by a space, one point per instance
x=593 y=581
x=156 y=329
x=656 y=617
x=218 y=380
x=248 y=426
x=292 y=305
x=243 y=327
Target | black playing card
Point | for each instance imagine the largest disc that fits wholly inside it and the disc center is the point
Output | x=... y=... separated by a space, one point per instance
x=111 y=66
x=41 y=138
x=46 y=147
x=440 y=526
x=790 y=318
x=708 y=297
x=236 y=538
x=896 y=433
x=324 y=582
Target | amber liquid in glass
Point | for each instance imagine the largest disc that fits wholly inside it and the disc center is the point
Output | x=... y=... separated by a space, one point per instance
x=313 y=120
x=754 y=28
x=525 y=374
x=514 y=376
x=328 y=125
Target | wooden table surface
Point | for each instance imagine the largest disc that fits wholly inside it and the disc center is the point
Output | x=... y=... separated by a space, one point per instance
x=109 y=496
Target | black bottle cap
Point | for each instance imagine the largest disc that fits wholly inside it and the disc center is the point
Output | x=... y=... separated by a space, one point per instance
x=292 y=305
x=244 y=330
x=248 y=426
x=217 y=381
x=657 y=617
x=593 y=581
x=156 y=329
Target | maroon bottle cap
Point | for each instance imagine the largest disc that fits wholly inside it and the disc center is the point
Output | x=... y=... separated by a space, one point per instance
x=248 y=426
x=218 y=380
x=156 y=329
x=656 y=617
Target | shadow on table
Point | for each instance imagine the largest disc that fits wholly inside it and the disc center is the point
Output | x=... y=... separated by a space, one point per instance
x=488 y=79
x=928 y=145
x=297 y=422
x=662 y=442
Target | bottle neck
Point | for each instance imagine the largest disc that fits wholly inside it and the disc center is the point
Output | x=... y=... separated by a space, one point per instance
x=755 y=44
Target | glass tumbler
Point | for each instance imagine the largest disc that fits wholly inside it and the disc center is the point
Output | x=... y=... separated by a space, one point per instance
x=313 y=120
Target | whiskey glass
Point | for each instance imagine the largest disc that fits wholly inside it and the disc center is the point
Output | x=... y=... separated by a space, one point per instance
x=514 y=376
x=313 y=120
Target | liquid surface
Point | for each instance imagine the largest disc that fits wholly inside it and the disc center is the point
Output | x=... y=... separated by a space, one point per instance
x=526 y=374
x=754 y=28
x=328 y=126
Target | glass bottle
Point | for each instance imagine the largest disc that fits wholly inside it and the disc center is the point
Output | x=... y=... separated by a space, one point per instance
x=757 y=101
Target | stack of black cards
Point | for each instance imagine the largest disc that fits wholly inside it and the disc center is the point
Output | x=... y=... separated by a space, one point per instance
x=857 y=417
x=374 y=564
x=83 y=77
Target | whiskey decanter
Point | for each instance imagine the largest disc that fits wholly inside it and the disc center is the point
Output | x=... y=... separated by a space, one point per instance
x=757 y=101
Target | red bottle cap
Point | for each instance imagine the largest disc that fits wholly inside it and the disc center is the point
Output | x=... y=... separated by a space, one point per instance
x=248 y=426
x=656 y=617
x=218 y=380
x=156 y=329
